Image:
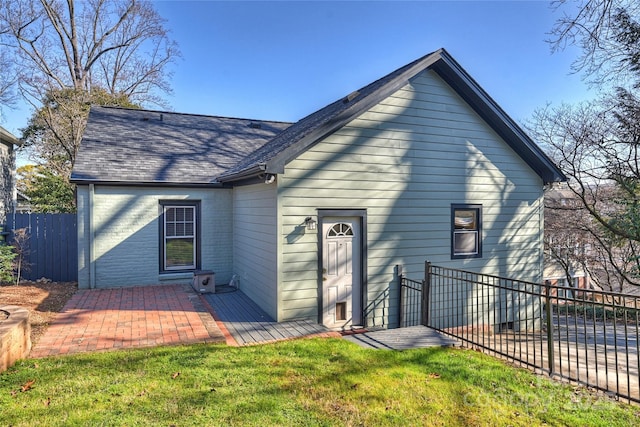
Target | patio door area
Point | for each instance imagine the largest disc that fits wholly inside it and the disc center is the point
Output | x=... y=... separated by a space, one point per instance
x=341 y=272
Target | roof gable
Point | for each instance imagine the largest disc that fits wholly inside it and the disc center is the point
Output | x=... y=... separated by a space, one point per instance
x=273 y=156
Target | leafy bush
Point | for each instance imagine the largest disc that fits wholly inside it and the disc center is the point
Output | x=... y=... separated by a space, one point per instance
x=7 y=256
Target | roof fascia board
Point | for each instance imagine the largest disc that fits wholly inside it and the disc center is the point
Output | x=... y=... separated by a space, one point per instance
x=8 y=138
x=276 y=165
x=147 y=184
x=499 y=120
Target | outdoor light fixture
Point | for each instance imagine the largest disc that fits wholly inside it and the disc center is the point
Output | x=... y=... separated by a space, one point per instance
x=310 y=223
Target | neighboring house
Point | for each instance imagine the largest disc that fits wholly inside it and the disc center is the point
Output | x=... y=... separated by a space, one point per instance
x=567 y=244
x=23 y=203
x=7 y=173
x=579 y=253
x=312 y=217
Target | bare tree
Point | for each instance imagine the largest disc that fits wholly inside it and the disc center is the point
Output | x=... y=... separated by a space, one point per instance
x=596 y=143
x=575 y=243
x=8 y=77
x=599 y=229
x=565 y=239
x=20 y=245
x=70 y=54
x=118 y=45
x=606 y=33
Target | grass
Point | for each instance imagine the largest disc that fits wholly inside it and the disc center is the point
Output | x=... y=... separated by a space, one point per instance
x=322 y=382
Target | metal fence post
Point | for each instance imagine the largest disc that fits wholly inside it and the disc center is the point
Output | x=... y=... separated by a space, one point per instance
x=400 y=295
x=426 y=290
x=548 y=308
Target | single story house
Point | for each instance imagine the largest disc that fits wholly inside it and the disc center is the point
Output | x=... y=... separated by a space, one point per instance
x=311 y=218
x=7 y=173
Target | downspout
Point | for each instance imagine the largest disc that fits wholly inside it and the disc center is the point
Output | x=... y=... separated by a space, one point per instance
x=92 y=249
x=541 y=234
x=14 y=186
x=14 y=191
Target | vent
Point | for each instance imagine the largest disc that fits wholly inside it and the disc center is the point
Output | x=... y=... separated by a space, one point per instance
x=254 y=125
x=149 y=117
x=351 y=97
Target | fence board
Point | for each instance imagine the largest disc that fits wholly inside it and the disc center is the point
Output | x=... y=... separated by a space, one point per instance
x=52 y=246
x=64 y=241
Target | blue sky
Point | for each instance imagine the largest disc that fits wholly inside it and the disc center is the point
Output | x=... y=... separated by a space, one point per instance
x=282 y=60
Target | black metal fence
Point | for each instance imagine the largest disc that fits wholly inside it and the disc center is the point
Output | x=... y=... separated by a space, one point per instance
x=51 y=248
x=411 y=303
x=587 y=336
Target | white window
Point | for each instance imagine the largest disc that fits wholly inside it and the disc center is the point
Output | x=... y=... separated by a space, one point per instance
x=179 y=236
x=466 y=231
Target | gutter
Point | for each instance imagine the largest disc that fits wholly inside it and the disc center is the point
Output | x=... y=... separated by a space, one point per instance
x=244 y=174
x=80 y=181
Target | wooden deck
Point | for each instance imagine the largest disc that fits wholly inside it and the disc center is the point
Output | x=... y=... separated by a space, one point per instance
x=249 y=324
x=402 y=338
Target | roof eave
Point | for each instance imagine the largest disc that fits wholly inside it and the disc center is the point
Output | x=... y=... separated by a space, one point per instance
x=243 y=174
x=84 y=181
x=8 y=138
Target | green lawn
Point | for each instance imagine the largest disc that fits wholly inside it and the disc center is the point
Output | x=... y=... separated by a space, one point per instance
x=304 y=382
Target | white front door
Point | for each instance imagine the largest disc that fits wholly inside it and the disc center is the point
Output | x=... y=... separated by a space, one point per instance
x=341 y=281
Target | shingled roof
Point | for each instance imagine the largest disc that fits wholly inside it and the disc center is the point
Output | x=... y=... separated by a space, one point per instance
x=124 y=146
x=273 y=156
x=138 y=146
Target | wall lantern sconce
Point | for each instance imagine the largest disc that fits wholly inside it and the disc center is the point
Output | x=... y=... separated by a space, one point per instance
x=310 y=223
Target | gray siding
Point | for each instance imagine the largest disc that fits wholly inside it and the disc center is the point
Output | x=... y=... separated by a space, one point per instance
x=126 y=248
x=7 y=181
x=255 y=251
x=406 y=161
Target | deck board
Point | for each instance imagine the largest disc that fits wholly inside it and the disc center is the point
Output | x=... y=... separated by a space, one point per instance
x=402 y=338
x=249 y=324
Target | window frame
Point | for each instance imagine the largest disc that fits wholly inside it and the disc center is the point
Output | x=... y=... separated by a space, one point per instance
x=478 y=230
x=163 y=206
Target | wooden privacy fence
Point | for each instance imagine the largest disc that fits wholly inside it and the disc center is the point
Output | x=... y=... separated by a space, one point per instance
x=51 y=247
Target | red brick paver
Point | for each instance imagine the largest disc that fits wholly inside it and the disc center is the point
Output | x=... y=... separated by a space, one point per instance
x=106 y=319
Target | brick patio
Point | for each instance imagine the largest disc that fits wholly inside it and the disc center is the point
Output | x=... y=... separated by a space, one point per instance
x=107 y=319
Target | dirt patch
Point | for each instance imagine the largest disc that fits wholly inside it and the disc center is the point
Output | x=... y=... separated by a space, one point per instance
x=42 y=299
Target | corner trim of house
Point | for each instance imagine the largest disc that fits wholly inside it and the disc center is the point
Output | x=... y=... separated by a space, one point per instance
x=92 y=249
